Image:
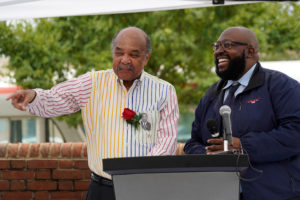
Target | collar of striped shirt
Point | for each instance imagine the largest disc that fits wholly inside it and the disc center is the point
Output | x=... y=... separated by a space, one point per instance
x=138 y=81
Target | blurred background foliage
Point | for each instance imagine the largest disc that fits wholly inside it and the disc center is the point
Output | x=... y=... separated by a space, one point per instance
x=42 y=51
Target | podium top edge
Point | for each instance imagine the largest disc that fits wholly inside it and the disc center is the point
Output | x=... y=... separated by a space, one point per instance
x=181 y=163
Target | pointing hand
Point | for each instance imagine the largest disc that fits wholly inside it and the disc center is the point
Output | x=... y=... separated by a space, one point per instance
x=21 y=98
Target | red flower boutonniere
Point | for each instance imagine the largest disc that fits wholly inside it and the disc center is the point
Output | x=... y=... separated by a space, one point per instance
x=131 y=117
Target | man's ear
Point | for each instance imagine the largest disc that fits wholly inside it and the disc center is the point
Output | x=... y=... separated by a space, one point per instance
x=146 y=59
x=251 y=52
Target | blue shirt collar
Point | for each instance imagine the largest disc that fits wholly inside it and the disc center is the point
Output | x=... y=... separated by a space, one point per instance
x=244 y=80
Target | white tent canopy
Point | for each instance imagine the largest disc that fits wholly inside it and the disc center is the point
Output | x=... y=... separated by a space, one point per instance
x=289 y=67
x=27 y=9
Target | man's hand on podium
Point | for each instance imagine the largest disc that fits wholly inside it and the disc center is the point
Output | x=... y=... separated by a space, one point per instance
x=217 y=145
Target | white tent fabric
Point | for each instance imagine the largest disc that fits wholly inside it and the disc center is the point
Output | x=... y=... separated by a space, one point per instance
x=27 y=9
x=289 y=67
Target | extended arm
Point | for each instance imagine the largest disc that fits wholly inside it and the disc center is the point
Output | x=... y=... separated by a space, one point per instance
x=64 y=98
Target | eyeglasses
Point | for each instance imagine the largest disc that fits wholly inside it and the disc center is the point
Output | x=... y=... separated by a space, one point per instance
x=226 y=44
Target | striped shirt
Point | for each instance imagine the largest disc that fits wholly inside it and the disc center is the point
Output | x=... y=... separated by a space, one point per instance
x=102 y=97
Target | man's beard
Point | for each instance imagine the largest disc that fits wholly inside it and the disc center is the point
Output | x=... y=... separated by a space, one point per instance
x=235 y=67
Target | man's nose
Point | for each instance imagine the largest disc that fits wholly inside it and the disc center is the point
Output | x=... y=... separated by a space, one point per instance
x=125 y=59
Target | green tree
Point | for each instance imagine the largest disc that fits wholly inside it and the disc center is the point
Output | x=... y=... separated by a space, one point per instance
x=42 y=52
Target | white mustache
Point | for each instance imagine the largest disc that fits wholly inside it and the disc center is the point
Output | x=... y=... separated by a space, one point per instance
x=129 y=67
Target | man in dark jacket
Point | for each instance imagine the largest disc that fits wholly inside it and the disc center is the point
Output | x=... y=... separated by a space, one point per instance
x=265 y=116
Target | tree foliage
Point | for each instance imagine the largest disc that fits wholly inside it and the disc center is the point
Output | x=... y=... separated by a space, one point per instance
x=42 y=52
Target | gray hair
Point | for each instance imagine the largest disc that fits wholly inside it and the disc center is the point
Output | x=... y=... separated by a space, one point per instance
x=148 y=41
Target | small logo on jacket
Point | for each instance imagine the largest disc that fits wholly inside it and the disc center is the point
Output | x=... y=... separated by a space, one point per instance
x=253 y=100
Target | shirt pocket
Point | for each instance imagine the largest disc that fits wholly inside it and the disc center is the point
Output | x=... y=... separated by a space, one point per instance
x=147 y=132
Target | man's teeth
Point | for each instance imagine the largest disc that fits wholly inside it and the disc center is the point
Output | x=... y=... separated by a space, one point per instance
x=223 y=60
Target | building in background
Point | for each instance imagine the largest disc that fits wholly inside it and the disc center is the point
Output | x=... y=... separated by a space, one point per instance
x=19 y=126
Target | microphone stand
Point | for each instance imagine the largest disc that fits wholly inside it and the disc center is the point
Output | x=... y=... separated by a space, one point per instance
x=227 y=140
x=225 y=143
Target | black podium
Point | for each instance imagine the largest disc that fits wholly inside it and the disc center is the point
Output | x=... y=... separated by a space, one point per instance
x=187 y=177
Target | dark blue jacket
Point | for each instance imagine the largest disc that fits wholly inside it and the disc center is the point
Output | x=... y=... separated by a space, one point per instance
x=266 y=118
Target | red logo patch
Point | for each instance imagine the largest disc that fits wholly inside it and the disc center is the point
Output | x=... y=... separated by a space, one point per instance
x=253 y=100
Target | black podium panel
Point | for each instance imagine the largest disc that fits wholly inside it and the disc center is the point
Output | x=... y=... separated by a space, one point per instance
x=192 y=177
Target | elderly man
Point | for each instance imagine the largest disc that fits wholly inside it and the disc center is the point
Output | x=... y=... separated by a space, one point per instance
x=265 y=118
x=112 y=102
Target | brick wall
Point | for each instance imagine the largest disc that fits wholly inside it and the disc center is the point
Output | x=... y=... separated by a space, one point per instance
x=45 y=171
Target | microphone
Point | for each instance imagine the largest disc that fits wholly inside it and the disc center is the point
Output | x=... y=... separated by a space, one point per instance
x=212 y=127
x=225 y=112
